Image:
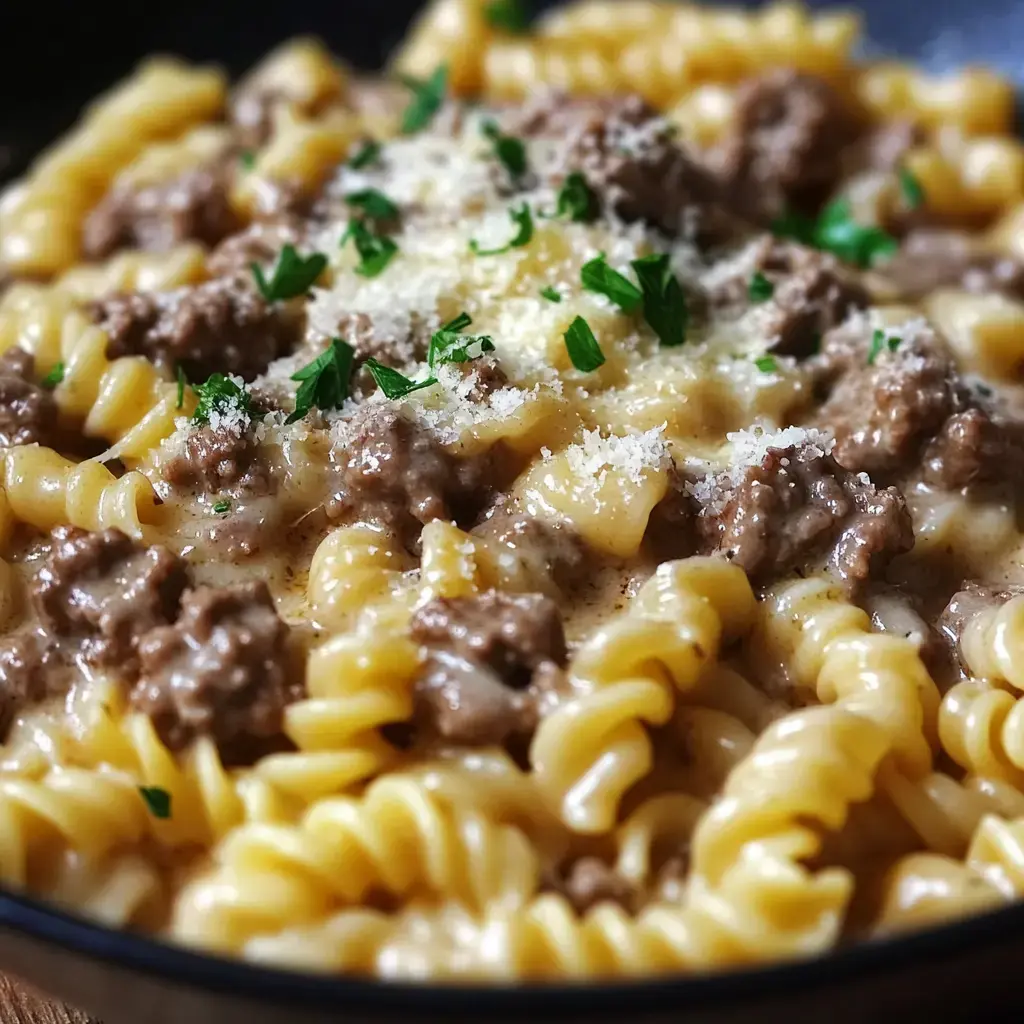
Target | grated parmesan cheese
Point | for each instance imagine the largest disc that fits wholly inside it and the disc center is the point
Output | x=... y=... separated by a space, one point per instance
x=631 y=454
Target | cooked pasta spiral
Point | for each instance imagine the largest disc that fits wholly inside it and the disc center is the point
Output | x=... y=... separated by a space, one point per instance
x=993 y=643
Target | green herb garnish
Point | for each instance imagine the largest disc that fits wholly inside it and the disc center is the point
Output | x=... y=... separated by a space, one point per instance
x=375 y=251
x=292 y=274
x=220 y=394
x=837 y=232
x=551 y=294
x=760 y=289
x=182 y=381
x=247 y=158
x=367 y=154
x=523 y=220
x=393 y=383
x=582 y=346
x=508 y=15
x=766 y=364
x=597 y=276
x=507 y=148
x=881 y=341
x=576 y=199
x=158 y=800
x=373 y=203
x=54 y=377
x=911 y=187
x=427 y=97
x=221 y=507
x=664 y=302
x=449 y=345
x=324 y=380
x=796 y=226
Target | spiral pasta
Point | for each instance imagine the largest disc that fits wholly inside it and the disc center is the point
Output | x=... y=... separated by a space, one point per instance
x=586 y=754
x=992 y=643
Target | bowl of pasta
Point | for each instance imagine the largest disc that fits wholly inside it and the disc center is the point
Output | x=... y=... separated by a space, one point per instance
x=528 y=532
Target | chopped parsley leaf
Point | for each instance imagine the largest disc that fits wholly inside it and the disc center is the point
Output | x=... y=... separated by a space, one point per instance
x=881 y=341
x=324 y=380
x=507 y=148
x=54 y=377
x=582 y=346
x=220 y=394
x=766 y=364
x=664 y=302
x=247 y=158
x=576 y=199
x=427 y=97
x=551 y=294
x=367 y=154
x=760 y=289
x=597 y=276
x=448 y=345
x=373 y=203
x=796 y=226
x=158 y=800
x=911 y=188
x=221 y=507
x=523 y=219
x=837 y=232
x=510 y=15
x=182 y=381
x=393 y=383
x=375 y=251
x=292 y=274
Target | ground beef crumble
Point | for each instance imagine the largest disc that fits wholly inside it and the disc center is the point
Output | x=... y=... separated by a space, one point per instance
x=492 y=661
x=214 y=461
x=28 y=413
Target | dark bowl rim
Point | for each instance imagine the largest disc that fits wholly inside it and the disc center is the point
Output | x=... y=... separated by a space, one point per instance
x=179 y=965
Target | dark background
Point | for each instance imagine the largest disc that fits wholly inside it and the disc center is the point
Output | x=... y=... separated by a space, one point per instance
x=56 y=54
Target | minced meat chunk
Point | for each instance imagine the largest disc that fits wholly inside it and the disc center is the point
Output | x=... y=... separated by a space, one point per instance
x=629 y=156
x=883 y=407
x=213 y=461
x=29 y=672
x=589 y=882
x=224 y=670
x=492 y=661
x=220 y=326
x=106 y=590
x=191 y=207
x=811 y=293
x=974 y=446
x=797 y=505
x=786 y=148
x=261 y=242
x=28 y=413
x=396 y=472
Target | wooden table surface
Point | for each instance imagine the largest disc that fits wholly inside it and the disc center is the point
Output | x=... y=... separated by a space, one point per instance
x=20 y=1005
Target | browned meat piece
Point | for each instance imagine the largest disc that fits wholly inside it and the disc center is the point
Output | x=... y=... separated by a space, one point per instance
x=798 y=505
x=486 y=374
x=220 y=326
x=260 y=242
x=214 y=460
x=191 y=207
x=492 y=661
x=928 y=260
x=27 y=675
x=28 y=413
x=974 y=447
x=881 y=413
x=629 y=157
x=396 y=472
x=106 y=590
x=812 y=293
x=589 y=881
x=544 y=550
x=786 y=149
x=224 y=670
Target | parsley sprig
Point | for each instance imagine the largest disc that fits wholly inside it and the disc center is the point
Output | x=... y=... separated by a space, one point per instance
x=366 y=155
x=665 y=307
x=597 y=276
x=157 y=799
x=450 y=345
x=576 y=199
x=507 y=148
x=760 y=288
x=880 y=342
x=291 y=275
x=911 y=188
x=766 y=364
x=393 y=383
x=54 y=377
x=837 y=232
x=324 y=381
x=584 y=351
x=427 y=96
x=509 y=15
x=375 y=251
x=373 y=203
x=182 y=381
x=220 y=394
x=551 y=293
x=523 y=220
x=222 y=506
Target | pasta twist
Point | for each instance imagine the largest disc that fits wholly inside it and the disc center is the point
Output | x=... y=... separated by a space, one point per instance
x=135 y=271
x=125 y=889
x=982 y=728
x=44 y=490
x=587 y=753
x=993 y=643
x=397 y=838
x=41 y=217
